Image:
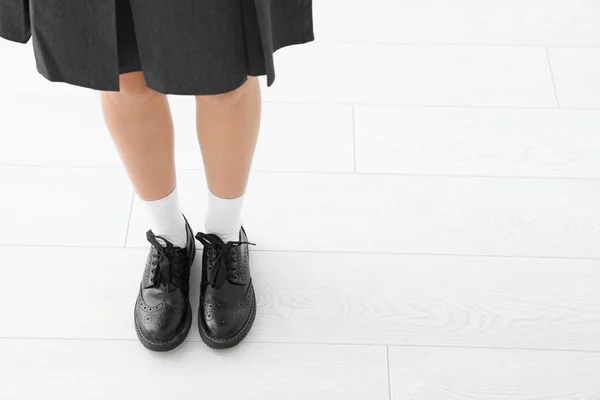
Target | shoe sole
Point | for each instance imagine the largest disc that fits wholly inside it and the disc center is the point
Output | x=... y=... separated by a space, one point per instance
x=220 y=344
x=156 y=345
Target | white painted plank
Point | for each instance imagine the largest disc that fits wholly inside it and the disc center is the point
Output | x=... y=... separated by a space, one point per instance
x=69 y=131
x=406 y=214
x=428 y=300
x=324 y=298
x=352 y=73
x=71 y=369
x=577 y=75
x=485 y=374
x=64 y=206
x=55 y=131
x=293 y=137
x=478 y=141
x=368 y=73
x=509 y=22
x=71 y=292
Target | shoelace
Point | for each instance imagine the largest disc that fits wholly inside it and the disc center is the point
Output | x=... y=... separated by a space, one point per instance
x=163 y=261
x=221 y=270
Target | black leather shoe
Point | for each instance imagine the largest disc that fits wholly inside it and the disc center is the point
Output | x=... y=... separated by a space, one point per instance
x=227 y=301
x=163 y=314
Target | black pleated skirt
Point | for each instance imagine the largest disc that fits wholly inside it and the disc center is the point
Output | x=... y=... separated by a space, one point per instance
x=247 y=48
x=185 y=47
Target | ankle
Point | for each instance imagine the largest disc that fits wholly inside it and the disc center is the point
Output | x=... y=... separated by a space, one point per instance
x=223 y=217
x=166 y=219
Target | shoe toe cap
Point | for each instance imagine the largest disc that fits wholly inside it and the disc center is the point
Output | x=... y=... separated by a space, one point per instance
x=224 y=324
x=160 y=326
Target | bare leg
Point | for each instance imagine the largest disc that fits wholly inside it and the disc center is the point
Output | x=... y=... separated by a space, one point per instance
x=227 y=127
x=140 y=123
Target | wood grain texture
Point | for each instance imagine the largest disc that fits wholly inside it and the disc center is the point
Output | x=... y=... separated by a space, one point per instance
x=124 y=370
x=325 y=298
x=64 y=131
x=509 y=22
x=486 y=374
x=64 y=206
x=429 y=300
x=576 y=75
x=289 y=133
x=367 y=73
x=407 y=214
x=509 y=142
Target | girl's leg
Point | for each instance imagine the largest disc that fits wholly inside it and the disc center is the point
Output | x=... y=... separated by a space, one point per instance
x=227 y=128
x=139 y=121
x=140 y=124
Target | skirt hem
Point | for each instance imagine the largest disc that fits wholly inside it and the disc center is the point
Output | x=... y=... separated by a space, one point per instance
x=166 y=89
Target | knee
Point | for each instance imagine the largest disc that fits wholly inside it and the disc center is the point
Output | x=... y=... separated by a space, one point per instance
x=229 y=99
x=133 y=91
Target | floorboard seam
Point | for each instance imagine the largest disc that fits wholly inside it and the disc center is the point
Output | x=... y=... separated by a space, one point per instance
x=387 y=346
x=129 y=219
x=334 y=173
x=399 y=254
x=387 y=352
x=552 y=77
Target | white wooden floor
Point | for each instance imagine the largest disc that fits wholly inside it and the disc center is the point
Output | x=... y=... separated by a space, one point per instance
x=425 y=200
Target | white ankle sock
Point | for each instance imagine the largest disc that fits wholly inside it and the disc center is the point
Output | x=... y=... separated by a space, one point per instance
x=224 y=217
x=166 y=219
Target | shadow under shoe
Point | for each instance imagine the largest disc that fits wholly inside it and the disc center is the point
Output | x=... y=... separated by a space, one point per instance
x=227 y=300
x=163 y=314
